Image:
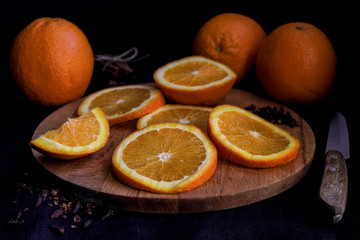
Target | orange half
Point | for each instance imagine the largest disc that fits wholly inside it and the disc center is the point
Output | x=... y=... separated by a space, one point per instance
x=195 y=80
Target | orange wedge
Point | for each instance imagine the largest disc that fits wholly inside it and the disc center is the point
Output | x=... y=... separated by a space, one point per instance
x=165 y=158
x=186 y=114
x=195 y=80
x=244 y=138
x=124 y=103
x=77 y=137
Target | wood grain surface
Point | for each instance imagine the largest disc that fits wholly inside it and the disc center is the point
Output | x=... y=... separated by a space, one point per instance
x=90 y=178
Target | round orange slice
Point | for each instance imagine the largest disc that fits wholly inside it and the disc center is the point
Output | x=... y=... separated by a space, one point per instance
x=186 y=114
x=245 y=138
x=124 y=103
x=195 y=80
x=77 y=137
x=165 y=158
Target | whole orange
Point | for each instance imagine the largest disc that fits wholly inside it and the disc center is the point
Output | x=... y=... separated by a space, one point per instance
x=296 y=63
x=232 y=39
x=52 y=61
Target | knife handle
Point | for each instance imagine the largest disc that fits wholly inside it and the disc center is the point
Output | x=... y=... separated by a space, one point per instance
x=334 y=185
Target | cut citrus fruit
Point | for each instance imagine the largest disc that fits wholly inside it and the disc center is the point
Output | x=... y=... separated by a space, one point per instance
x=165 y=158
x=186 y=114
x=244 y=138
x=124 y=103
x=77 y=137
x=195 y=80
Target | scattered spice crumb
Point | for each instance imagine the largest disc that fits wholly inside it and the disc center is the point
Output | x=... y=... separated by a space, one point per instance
x=77 y=219
x=89 y=207
x=50 y=195
x=54 y=192
x=17 y=220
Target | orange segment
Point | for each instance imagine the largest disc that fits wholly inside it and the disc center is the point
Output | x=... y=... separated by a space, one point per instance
x=77 y=137
x=154 y=159
x=124 y=103
x=244 y=138
x=79 y=131
x=185 y=114
x=195 y=80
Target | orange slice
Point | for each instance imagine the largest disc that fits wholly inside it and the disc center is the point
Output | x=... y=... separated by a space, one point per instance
x=165 y=158
x=244 y=138
x=186 y=114
x=77 y=137
x=195 y=80
x=124 y=103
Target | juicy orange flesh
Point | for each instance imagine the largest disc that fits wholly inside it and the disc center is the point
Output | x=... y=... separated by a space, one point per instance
x=79 y=131
x=165 y=155
x=198 y=118
x=251 y=135
x=194 y=73
x=120 y=101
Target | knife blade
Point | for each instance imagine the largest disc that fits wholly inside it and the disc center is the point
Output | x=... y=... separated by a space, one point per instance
x=334 y=184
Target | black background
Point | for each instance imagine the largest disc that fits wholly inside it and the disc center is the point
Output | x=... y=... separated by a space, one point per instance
x=164 y=30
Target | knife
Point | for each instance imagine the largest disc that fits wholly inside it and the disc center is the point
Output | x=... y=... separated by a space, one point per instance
x=334 y=184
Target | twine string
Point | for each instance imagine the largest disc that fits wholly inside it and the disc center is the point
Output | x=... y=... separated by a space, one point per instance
x=119 y=58
x=119 y=61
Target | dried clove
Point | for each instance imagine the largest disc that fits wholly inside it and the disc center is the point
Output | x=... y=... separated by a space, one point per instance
x=108 y=214
x=274 y=115
x=77 y=207
x=38 y=201
x=87 y=223
x=42 y=197
x=56 y=229
x=57 y=213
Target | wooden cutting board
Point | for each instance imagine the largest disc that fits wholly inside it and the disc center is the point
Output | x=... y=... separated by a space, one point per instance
x=90 y=178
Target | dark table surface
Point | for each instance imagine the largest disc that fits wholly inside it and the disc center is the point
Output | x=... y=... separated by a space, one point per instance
x=164 y=31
